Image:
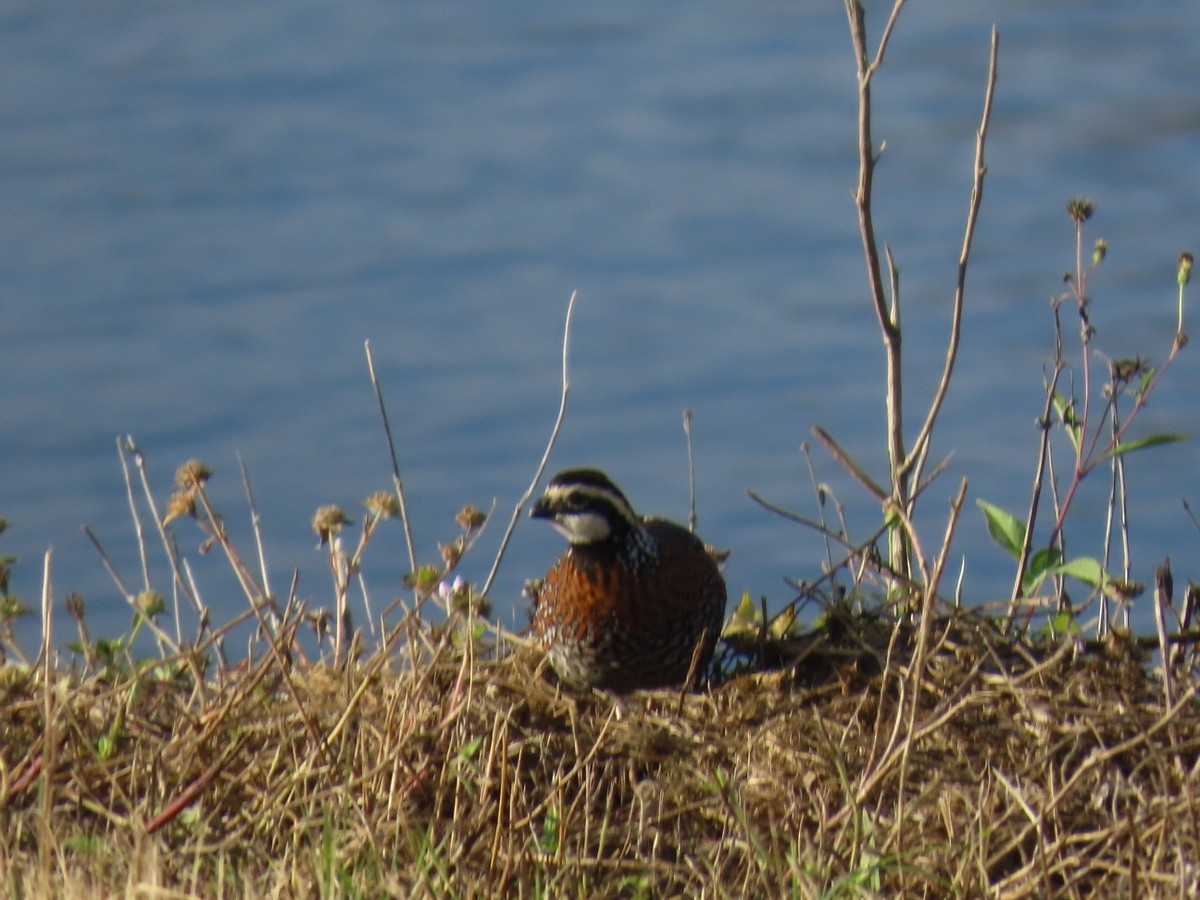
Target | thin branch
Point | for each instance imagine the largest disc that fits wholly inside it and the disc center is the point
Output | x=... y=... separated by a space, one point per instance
x=817 y=525
x=820 y=492
x=178 y=583
x=860 y=551
x=537 y=476
x=50 y=720
x=866 y=151
x=256 y=526
x=920 y=445
x=216 y=530
x=1084 y=466
x=1035 y=500
x=108 y=565
x=1163 y=589
x=887 y=34
x=836 y=451
x=396 y=482
x=139 y=534
x=161 y=636
x=939 y=565
x=888 y=324
x=687 y=433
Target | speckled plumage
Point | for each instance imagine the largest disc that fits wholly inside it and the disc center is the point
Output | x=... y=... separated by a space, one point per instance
x=630 y=601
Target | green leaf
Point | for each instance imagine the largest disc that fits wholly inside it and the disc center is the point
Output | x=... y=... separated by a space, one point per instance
x=1065 y=407
x=548 y=842
x=468 y=751
x=83 y=845
x=1144 y=385
x=747 y=618
x=1041 y=564
x=107 y=649
x=1006 y=529
x=1149 y=441
x=1084 y=568
x=1063 y=622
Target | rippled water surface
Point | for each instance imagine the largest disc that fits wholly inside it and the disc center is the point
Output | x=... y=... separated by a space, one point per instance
x=208 y=207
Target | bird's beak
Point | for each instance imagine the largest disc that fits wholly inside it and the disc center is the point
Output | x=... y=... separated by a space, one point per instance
x=541 y=509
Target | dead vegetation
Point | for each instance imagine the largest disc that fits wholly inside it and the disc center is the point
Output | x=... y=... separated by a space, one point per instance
x=451 y=767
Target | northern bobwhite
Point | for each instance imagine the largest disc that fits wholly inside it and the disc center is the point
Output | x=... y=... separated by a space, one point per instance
x=632 y=600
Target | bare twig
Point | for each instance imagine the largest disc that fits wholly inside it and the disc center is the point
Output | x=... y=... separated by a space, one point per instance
x=916 y=458
x=256 y=526
x=904 y=466
x=218 y=532
x=49 y=718
x=179 y=584
x=112 y=572
x=687 y=433
x=939 y=565
x=861 y=551
x=848 y=463
x=537 y=476
x=1044 y=424
x=133 y=512
x=821 y=492
x=192 y=792
x=396 y=482
x=164 y=640
x=1163 y=589
x=866 y=174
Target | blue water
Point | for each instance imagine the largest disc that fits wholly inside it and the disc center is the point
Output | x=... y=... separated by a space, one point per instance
x=206 y=208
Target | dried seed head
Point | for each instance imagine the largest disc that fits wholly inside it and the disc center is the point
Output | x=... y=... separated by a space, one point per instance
x=1124 y=591
x=1080 y=209
x=319 y=619
x=11 y=607
x=75 y=605
x=149 y=603
x=382 y=505
x=1127 y=369
x=425 y=579
x=328 y=521
x=470 y=517
x=192 y=475
x=459 y=596
x=1185 y=269
x=453 y=551
x=180 y=503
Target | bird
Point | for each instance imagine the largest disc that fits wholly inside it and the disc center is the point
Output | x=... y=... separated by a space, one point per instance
x=634 y=602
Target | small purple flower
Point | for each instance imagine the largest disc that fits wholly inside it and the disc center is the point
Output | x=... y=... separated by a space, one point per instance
x=448 y=590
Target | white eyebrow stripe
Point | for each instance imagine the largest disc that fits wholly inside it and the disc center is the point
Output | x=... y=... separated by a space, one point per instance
x=557 y=493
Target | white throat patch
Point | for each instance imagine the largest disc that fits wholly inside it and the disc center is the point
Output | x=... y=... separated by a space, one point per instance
x=581 y=527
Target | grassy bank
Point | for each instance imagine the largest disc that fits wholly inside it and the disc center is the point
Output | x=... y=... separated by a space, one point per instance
x=976 y=765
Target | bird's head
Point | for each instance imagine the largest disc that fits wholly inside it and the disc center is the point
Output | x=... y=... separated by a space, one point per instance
x=586 y=507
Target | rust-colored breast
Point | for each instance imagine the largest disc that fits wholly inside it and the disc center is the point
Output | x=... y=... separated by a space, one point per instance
x=621 y=621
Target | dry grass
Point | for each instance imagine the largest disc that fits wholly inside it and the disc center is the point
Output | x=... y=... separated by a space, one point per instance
x=451 y=767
